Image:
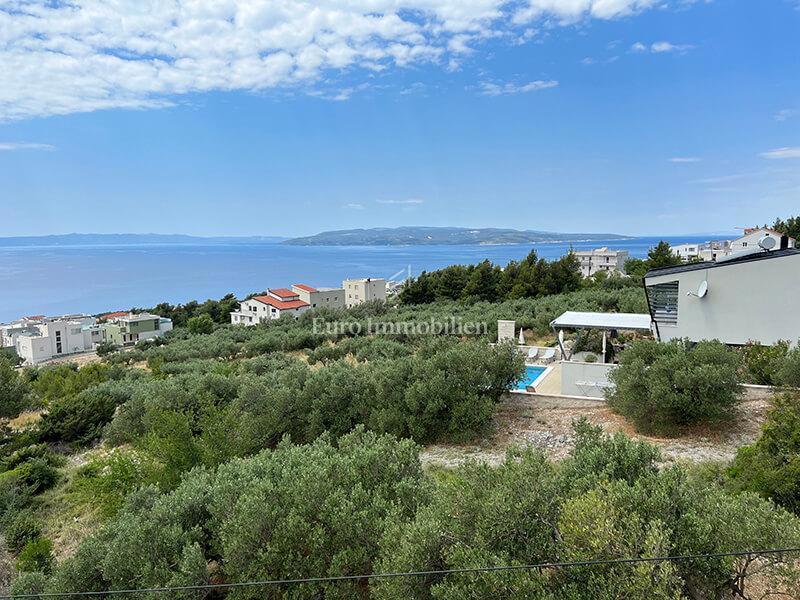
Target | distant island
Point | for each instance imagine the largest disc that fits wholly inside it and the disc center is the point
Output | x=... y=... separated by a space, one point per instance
x=129 y=239
x=419 y=236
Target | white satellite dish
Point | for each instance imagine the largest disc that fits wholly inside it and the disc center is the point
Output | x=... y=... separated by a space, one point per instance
x=702 y=290
x=767 y=242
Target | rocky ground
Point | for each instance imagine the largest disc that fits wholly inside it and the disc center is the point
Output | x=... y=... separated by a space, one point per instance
x=547 y=424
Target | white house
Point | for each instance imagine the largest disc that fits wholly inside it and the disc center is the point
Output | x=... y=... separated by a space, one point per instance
x=601 y=260
x=42 y=338
x=358 y=291
x=753 y=235
x=747 y=296
x=320 y=297
x=124 y=328
x=705 y=251
x=272 y=305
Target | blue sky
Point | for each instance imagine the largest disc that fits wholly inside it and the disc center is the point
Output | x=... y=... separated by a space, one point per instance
x=284 y=117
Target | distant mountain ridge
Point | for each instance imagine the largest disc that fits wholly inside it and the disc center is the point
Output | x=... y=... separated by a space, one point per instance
x=418 y=236
x=124 y=239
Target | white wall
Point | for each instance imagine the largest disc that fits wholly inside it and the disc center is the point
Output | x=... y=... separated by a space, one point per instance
x=748 y=301
x=584 y=379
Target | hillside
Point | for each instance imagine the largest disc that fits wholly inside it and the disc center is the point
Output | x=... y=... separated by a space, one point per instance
x=418 y=236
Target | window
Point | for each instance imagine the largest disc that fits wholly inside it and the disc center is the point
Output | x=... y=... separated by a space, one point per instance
x=663 y=298
x=744 y=244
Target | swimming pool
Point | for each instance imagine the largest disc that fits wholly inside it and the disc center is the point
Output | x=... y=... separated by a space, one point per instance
x=532 y=373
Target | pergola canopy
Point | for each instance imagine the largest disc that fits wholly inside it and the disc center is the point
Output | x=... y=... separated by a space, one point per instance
x=607 y=321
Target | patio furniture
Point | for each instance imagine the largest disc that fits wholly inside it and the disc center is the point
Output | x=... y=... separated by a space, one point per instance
x=533 y=353
x=548 y=355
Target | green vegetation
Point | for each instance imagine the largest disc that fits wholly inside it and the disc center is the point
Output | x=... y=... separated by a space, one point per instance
x=363 y=504
x=659 y=256
x=532 y=277
x=12 y=389
x=771 y=466
x=789 y=226
x=662 y=387
x=218 y=310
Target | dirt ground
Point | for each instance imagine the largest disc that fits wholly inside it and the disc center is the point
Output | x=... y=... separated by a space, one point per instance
x=545 y=424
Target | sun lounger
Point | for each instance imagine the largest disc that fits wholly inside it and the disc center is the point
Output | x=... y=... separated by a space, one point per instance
x=548 y=355
x=533 y=353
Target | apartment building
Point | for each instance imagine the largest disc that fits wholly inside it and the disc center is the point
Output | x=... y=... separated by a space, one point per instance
x=601 y=259
x=323 y=297
x=358 y=291
x=125 y=329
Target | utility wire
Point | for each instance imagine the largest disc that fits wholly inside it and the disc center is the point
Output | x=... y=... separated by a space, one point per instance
x=338 y=578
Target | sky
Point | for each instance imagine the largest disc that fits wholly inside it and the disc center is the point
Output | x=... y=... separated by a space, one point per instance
x=290 y=117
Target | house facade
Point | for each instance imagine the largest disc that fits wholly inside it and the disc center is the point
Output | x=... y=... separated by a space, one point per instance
x=753 y=235
x=745 y=297
x=320 y=297
x=601 y=259
x=274 y=304
x=358 y=291
x=125 y=329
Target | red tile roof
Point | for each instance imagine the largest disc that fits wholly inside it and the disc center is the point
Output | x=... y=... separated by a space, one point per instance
x=282 y=293
x=114 y=315
x=34 y=317
x=304 y=287
x=280 y=304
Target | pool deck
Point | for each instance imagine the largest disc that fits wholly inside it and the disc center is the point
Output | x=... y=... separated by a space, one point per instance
x=551 y=384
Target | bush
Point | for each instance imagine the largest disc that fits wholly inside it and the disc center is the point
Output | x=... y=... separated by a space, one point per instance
x=12 y=389
x=661 y=387
x=201 y=324
x=36 y=556
x=789 y=373
x=22 y=529
x=761 y=364
x=80 y=418
x=771 y=466
x=106 y=348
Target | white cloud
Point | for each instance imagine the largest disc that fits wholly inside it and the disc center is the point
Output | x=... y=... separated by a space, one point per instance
x=779 y=153
x=685 y=159
x=409 y=202
x=660 y=48
x=505 y=89
x=7 y=146
x=786 y=114
x=353 y=206
x=85 y=55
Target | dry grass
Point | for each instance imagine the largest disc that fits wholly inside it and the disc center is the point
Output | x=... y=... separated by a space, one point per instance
x=25 y=420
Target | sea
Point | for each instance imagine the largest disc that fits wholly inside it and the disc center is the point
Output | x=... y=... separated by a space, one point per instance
x=56 y=280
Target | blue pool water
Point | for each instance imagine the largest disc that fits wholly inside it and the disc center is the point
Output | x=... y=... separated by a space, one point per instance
x=531 y=375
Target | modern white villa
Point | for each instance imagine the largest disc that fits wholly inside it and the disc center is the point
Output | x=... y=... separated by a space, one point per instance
x=601 y=260
x=750 y=296
x=38 y=339
x=274 y=304
x=745 y=297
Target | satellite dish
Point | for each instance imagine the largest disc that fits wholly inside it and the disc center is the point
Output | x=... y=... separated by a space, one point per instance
x=767 y=242
x=702 y=290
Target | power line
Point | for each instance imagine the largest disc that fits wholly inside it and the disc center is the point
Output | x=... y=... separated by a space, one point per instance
x=339 y=578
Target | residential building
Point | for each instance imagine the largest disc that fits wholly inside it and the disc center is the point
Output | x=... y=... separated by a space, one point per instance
x=753 y=235
x=125 y=329
x=358 y=291
x=707 y=251
x=745 y=297
x=274 y=304
x=601 y=259
x=323 y=297
x=39 y=339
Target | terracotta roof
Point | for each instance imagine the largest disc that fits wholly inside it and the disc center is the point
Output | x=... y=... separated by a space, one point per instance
x=280 y=304
x=282 y=293
x=34 y=317
x=749 y=230
x=114 y=315
x=304 y=287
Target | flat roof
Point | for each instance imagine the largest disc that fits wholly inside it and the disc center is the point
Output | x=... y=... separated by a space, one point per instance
x=699 y=266
x=597 y=320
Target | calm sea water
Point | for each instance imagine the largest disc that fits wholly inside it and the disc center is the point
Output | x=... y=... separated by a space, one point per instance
x=92 y=279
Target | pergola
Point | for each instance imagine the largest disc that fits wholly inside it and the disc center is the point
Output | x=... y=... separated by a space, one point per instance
x=595 y=320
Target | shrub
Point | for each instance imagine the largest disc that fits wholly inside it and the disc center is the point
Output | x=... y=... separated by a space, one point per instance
x=12 y=389
x=36 y=556
x=591 y=358
x=201 y=324
x=22 y=529
x=761 y=364
x=106 y=348
x=771 y=466
x=789 y=373
x=81 y=418
x=664 y=386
